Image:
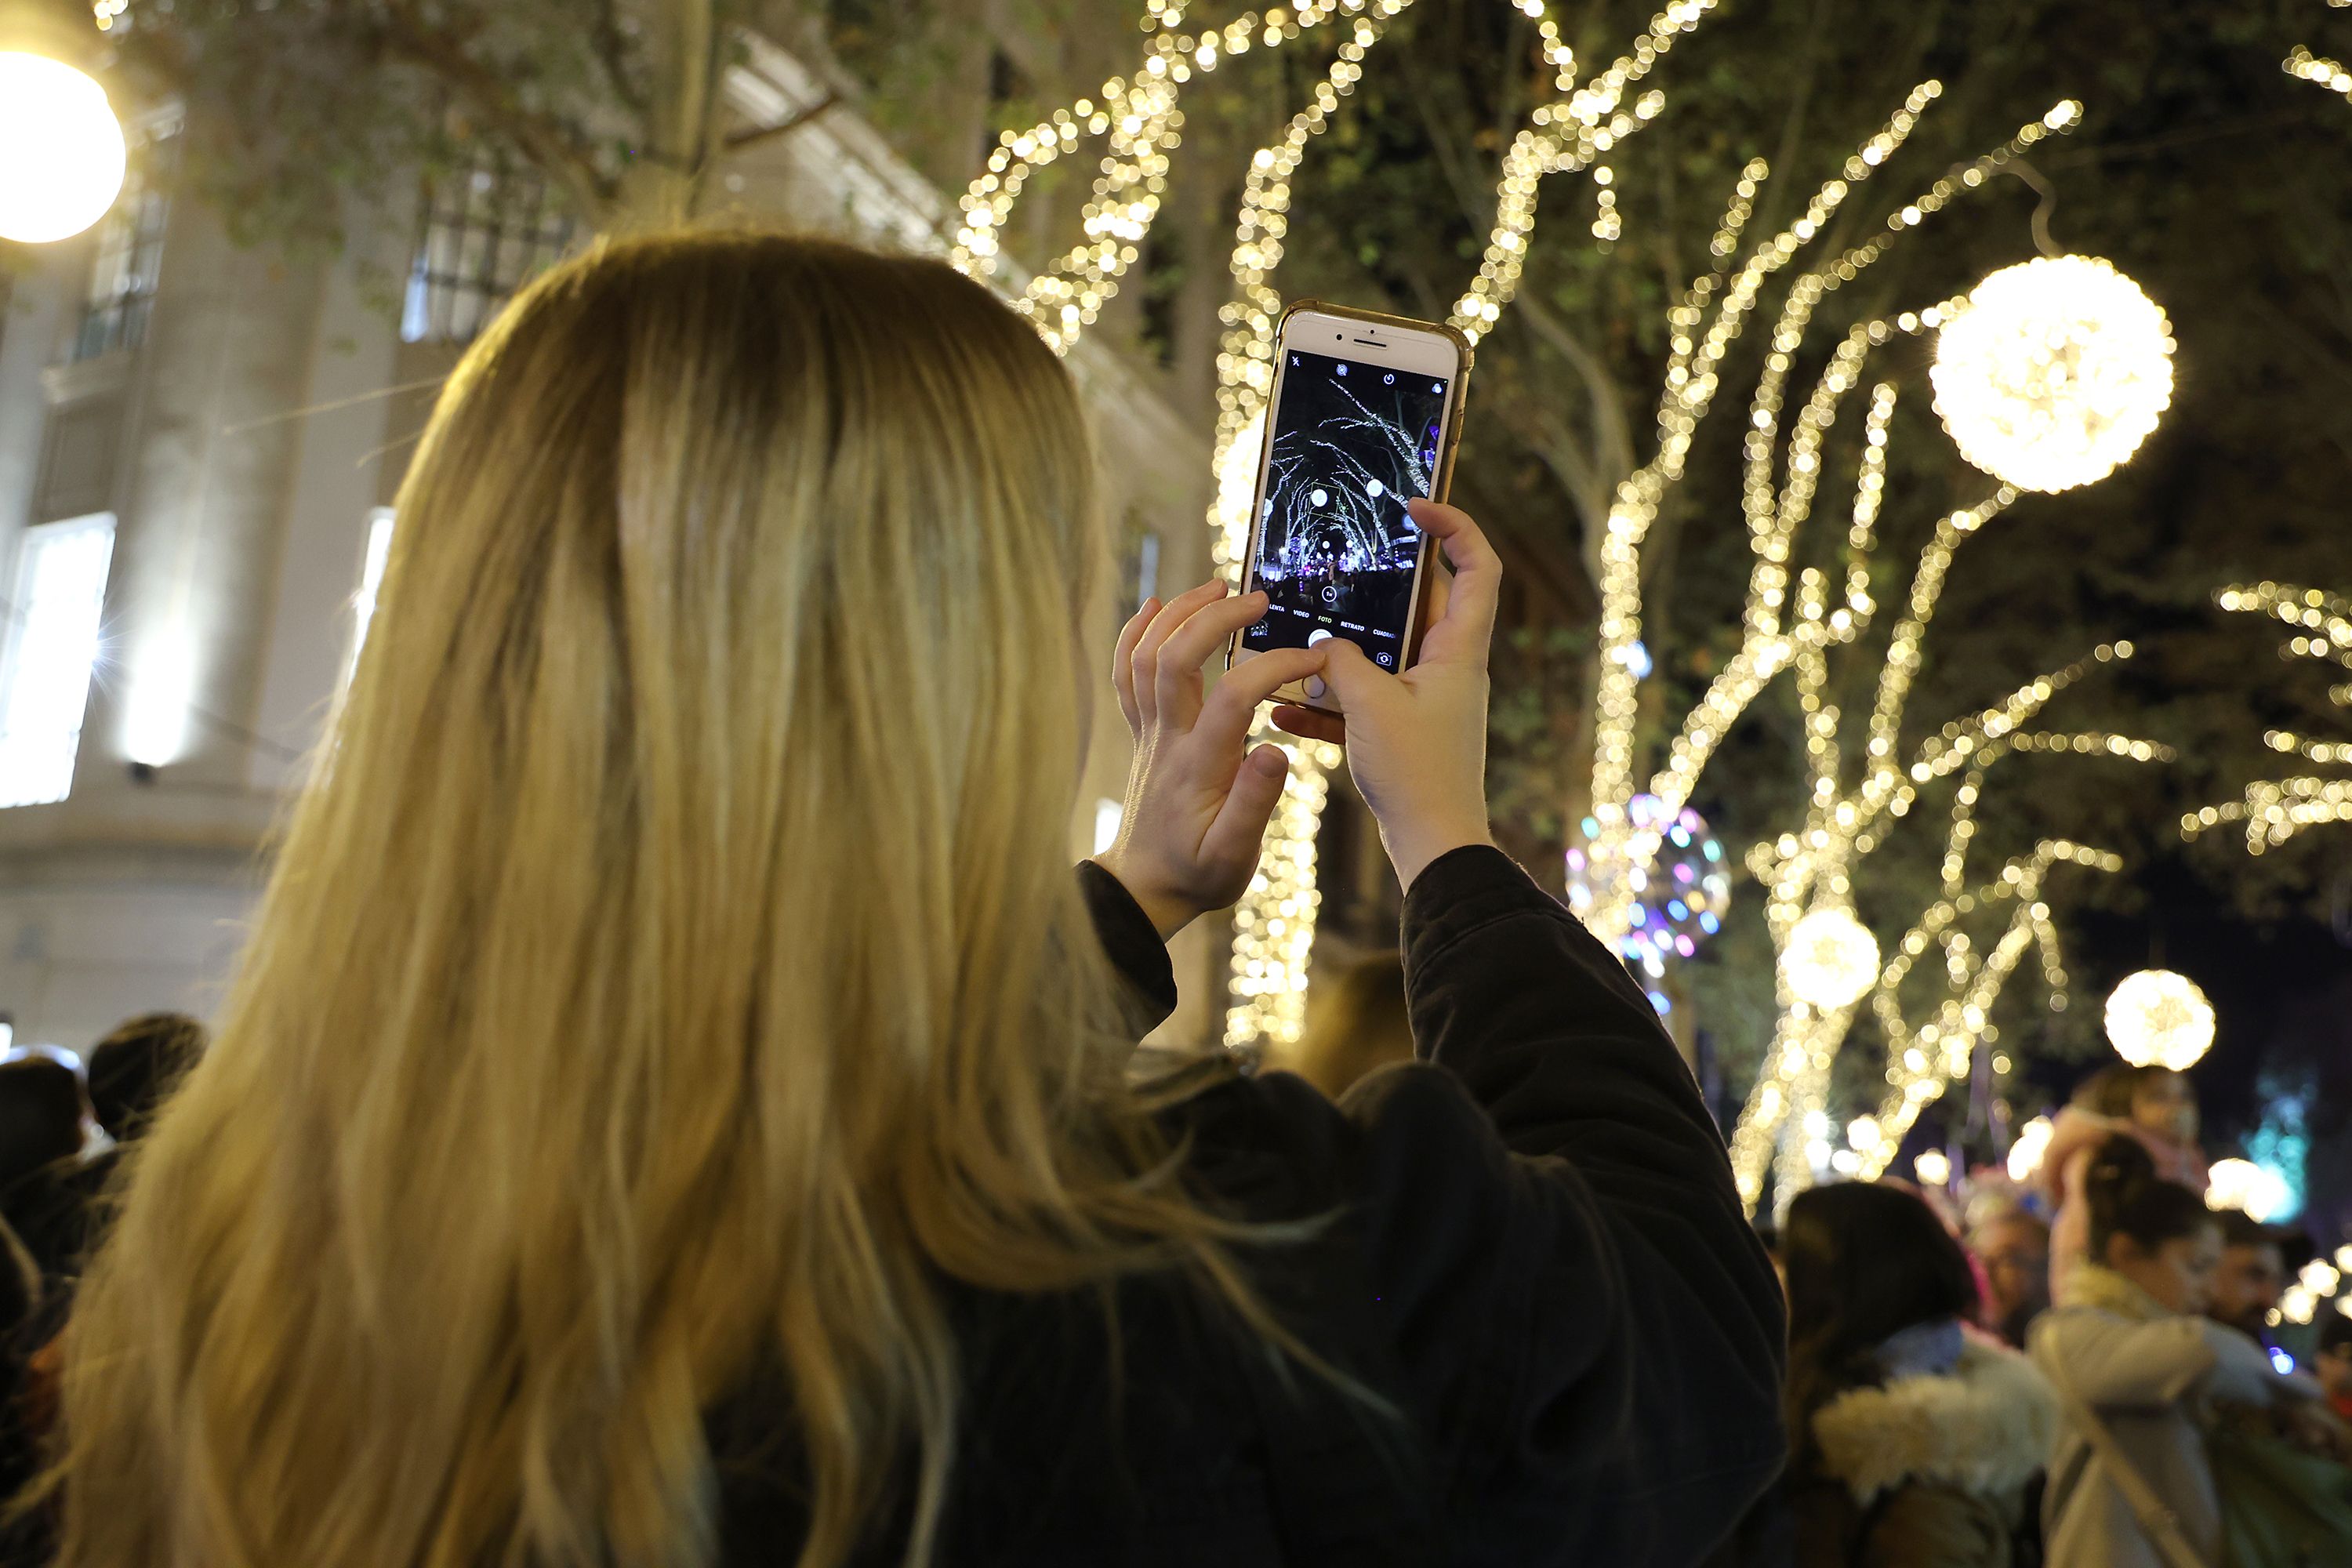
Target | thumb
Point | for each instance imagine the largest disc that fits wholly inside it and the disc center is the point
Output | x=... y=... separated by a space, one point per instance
x=1347 y=672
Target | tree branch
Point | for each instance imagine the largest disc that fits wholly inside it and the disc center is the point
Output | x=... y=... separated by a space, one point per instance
x=612 y=54
x=552 y=146
x=785 y=127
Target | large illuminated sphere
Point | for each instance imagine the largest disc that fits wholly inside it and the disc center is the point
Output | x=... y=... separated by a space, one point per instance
x=2158 y=1018
x=2055 y=373
x=61 y=150
x=1831 y=961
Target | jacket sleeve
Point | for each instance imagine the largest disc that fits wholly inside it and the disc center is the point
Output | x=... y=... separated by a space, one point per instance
x=1133 y=946
x=1581 y=1302
x=2115 y=1363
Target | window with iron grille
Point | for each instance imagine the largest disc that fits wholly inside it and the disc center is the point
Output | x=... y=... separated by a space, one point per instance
x=129 y=253
x=487 y=231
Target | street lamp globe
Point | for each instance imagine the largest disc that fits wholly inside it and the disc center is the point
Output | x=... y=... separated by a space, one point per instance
x=61 y=150
x=1832 y=960
x=2158 y=1018
x=2053 y=372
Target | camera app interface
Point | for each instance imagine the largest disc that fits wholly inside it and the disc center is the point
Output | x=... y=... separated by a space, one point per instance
x=1351 y=444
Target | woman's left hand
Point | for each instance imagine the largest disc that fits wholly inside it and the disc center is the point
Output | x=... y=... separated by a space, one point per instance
x=1197 y=799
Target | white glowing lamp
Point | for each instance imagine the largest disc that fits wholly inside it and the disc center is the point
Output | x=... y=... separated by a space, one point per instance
x=1934 y=1168
x=1831 y=959
x=2159 y=1018
x=2297 y=1303
x=2241 y=1185
x=2320 y=1278
x=2343 y=1305
x=1863 y=1133
x=2053 y=372
x=2025 y=1154
x=2343 y=1257
x=61 y=150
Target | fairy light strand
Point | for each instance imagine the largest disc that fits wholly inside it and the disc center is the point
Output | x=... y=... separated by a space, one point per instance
x=2274 y=810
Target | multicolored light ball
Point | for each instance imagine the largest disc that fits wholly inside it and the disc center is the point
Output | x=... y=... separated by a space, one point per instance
x=1676 y=903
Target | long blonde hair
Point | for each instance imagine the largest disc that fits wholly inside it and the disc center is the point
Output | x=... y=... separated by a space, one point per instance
x=673 y=970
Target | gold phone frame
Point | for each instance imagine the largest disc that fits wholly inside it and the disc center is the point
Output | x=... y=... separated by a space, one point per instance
x=1441 y=482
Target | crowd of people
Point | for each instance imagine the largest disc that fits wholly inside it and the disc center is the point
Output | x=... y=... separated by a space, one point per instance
x=677 y=1106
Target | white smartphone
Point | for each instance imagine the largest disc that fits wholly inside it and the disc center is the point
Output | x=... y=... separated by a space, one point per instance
x=1363 y=417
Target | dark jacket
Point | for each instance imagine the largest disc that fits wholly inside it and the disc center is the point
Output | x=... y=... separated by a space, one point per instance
x=1535 y=1256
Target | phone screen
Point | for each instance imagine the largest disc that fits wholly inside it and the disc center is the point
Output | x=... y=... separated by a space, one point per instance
x=1351 y=444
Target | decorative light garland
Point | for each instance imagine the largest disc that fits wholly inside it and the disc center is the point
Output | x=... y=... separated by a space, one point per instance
x=2275 y=810
x=2053 y=372
x=2160 y=1018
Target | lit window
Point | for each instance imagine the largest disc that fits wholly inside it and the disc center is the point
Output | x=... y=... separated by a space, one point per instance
x=379 y=547
x=487 y=231
x=129 y=255
x=48 y=654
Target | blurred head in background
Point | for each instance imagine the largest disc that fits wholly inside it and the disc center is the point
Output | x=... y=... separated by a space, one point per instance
x=1357 y=1021
x=40 y=1117
x=2014 y=1248
x=2250 y=1276
x=135 y=1067
x=2155 y=1233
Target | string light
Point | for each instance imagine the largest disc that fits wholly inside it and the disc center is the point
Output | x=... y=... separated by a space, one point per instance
x=2275 y=810
x=1933 y=1167
x=2159 y=1018
x=2053 y=372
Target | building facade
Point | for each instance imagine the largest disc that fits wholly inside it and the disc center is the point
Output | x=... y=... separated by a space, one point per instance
x=201 y=447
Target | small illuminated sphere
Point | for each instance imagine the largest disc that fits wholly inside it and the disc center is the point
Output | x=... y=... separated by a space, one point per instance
x=2343 y=1257
x=1934 y=1168
x=2055 y=373
x=61 y=150
x=2260 y=1193
x=2025 y=1154
x=2158 y=1018
x=1863 y=1133
x=2298 y=1304
x=2320 y=1278
x=1832 y=960
x=1677 y=900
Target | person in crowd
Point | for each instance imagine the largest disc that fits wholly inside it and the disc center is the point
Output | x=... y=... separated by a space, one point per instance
x=136 y=1066
x=1357 y=1021
x=2153 y=1104
x=41 y=1129
x=686 y=1112
x=1914 y=1445
x=2013 y=1248
x=40 y=1132
x=2128 y=1348
x=129 y=1072
x=2251 y=1276
x=2334 y=1365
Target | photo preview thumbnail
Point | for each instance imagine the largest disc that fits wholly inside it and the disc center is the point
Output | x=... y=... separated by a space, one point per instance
x=1351 y=444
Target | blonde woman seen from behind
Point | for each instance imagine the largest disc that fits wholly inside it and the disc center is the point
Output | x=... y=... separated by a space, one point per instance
x=675 y=1108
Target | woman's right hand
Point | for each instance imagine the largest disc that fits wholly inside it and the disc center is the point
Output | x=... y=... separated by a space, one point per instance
x=1417 y=742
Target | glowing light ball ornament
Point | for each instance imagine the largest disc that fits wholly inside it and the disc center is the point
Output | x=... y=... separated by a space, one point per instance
x=1832 y=960
x=61 y=150
x=2053 y=372
x=2260 y=1193
x=1676 y=903
x=2158 y=1018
